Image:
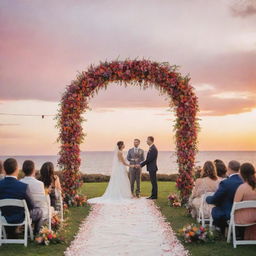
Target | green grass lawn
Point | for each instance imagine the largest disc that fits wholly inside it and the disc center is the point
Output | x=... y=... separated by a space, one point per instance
x=176 y=216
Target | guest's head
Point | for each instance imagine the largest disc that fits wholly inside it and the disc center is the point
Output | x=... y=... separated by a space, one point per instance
x=197 y=172
x=247 y=172
x=120 y=145
x=150 y=140
x=47 y=174
x=233 y=167
x=11 y=167
x=136 y=142
x=221 y=168
x=209 y=170
x=28 y=168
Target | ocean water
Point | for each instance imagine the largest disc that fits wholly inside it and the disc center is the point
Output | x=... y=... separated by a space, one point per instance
x=100 y=162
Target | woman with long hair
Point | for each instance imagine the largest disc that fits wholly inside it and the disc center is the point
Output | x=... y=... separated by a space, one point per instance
x=221 y=169
x=50 y=180
x=245 y=192
x=208 y=182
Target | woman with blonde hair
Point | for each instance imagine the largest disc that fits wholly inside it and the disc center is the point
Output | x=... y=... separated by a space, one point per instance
x=208 y=182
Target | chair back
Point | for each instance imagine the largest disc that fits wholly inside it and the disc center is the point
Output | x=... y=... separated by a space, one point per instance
x=12 y=202
x=16 y=203
x=243 y=205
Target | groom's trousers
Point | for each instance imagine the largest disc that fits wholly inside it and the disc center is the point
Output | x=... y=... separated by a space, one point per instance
x=153 y=180
x=135 y=175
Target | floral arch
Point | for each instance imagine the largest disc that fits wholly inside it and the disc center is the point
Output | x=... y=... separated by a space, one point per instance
x=144 y=73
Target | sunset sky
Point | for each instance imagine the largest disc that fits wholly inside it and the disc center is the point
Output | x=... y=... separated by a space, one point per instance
x=43 y=45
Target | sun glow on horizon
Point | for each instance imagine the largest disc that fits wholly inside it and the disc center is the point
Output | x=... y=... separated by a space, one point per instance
x=37 y=136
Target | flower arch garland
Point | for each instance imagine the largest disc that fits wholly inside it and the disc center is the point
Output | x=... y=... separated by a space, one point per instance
x=143 y=73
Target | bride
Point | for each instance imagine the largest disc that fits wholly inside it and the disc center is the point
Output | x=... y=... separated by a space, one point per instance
x=118 y=190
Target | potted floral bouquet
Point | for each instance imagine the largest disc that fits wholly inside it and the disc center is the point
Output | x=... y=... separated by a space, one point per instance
x=174 y=200
x=56 y=222
x=79 y=200
x=46 y=237
x=193 y=233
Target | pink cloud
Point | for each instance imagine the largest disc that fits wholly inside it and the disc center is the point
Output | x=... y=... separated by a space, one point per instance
x=243 y=8
x=42 y=49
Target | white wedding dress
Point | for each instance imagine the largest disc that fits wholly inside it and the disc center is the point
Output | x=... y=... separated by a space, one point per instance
x=119 y=189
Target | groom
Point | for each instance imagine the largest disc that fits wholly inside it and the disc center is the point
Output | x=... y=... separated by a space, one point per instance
x=151 y=166
x=135 y=156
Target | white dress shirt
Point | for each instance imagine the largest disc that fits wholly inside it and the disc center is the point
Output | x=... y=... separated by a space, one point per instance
x=36 y=187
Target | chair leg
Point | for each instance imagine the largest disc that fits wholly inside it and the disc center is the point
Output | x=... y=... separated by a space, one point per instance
x=30 y=230
x=26 y=235
x=210 y=223
x=229 y=232
x=234 y=235
x=4 y=233
x=1 y=234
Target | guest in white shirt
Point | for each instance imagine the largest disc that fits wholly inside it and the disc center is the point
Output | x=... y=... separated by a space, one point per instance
x=36 y=187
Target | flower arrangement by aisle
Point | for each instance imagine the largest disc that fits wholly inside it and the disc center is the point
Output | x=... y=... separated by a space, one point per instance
x=79 y=200
x=174 y=200
x=55 y=222
x=145 y=74
x=193 y=233
x=46 y=237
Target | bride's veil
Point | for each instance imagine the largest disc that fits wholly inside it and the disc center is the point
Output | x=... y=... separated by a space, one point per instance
x=115 y=161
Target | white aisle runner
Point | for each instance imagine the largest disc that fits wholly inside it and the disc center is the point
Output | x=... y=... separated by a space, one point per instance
x=132 y=229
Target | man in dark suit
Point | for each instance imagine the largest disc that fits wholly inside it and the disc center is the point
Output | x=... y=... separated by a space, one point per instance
x=11 y=188
x=151 y=163
x=223 y=198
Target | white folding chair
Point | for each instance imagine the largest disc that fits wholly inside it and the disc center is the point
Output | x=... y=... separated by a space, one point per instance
x=60 y=199
x=3 y=234
x=26 y=223
x=200 y=215
x=43 y=201
x=233 y=224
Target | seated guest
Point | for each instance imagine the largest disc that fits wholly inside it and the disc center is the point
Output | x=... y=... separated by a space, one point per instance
x=1 y=170
x=36 y=187
x=221 y=169
x=207 y=183
x=11 y=188
x=51 y=181
x=224 y=196
x=247 y=191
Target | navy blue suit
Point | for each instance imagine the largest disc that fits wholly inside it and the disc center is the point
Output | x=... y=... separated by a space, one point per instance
x=11 y=188
x=151 y=163
x=223 y=199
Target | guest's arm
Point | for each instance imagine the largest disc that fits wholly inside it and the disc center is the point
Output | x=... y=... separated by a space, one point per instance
x=29 y=199
x=195 y=189
x=57 y=182
x=218 y=195
x=239 y=194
